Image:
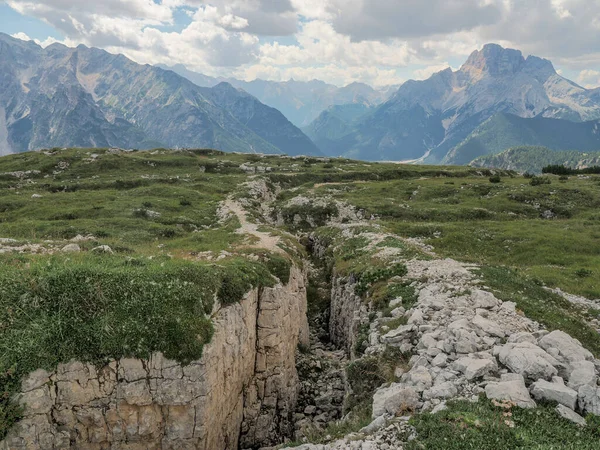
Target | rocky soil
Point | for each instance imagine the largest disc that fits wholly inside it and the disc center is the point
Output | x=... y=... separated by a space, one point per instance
x=466 y=343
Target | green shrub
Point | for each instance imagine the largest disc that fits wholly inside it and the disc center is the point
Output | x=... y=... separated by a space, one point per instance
x=538 y=181
x=495 y=179
x=583 y=273
x=484 y=426
x=373 y=275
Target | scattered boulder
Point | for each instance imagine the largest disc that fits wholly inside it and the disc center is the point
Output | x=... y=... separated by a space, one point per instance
x=419 y=378
x=510 y=387
x=582 y=373
x=589 y=399
x=555 y=391
x=475 y=368
x=443 y=390
x=517 y=338
x=487 y=326
x=103 y=249
x=483 y=299
x=569 y=414
x=71 y=248
x=398 y=335
x=440 y=360
x=528 y=360
x=394 y=399
x=570 y=349
x=374 y=426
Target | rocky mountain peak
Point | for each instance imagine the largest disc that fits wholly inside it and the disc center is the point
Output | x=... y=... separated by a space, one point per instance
x=494 y=60
x=539 y=66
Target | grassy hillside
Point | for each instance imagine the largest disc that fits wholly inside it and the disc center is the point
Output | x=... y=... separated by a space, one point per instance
x=533 y=159
x=172 y=251
x=504 y=131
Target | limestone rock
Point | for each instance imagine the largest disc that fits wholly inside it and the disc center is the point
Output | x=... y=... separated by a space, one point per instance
x=510 y=388
x=398 y=335
x=71 y=248
x=555 y=391
x=570 y=349
x=483 y=299
x=488 y=326
x=589 y=399
x=377 y=424
x=582 y=373
x=443 y=390
x=475 y=368
x=569 y=414
x=522 y=337
x=419 y=378
x=103 y=249
x=394 y=399
x=528 y=360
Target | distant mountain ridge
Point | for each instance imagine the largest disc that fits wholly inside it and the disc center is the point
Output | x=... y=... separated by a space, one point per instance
x=533 y=159
x=61 y=96
x=300 y=101
x=504 y=131
x=426 y=120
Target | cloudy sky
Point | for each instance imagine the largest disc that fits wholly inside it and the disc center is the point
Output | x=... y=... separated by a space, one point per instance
x=379 y=42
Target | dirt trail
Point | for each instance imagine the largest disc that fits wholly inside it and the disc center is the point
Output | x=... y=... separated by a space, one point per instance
x=265 y=240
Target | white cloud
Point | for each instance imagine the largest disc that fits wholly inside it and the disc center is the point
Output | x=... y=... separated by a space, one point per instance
x=340 y=41
x=406 y=19
x=422 y=74
x=589 y=78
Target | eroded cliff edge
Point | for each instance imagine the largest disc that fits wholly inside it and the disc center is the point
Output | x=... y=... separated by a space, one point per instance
x=242 y=391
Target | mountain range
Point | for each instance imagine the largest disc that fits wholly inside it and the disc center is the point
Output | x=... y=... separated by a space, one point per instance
x=427 y=120
x=85 y=97
x=300 y=101
x=59 y=96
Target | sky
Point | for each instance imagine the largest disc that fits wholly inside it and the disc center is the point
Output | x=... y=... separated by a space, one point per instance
x=379 y=42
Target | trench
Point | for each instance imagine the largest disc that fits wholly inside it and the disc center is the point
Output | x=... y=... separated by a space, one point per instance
x=321 y=366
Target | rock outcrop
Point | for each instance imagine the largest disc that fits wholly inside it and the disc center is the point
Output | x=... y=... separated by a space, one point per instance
x=242 y=391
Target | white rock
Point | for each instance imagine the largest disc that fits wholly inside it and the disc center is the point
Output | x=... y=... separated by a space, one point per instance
x=398 y=335
x=582 y=373
x=440 y=360
x=71 y=248
x=571 y=415
x=512 y=389
x=484 y=299
x=441 y=407
x=396 y=302
x=509 y=307
x=374 y=426
x=555 y=391
x=569 y=348
x=444 y=390
x=427 y=341
x=528 y=360
x=488 y=327
x=398 y=312
x=102 y=249
x=416 y=318
x=522 y=337
x=419 y=378
x=393 y=399
x=475 y=368
x=589 y=399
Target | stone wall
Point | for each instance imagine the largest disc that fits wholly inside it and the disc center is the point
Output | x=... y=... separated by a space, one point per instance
x=348 y=312
x=243 y=389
